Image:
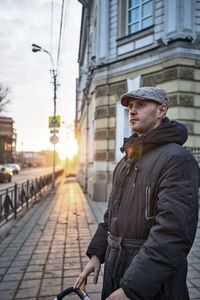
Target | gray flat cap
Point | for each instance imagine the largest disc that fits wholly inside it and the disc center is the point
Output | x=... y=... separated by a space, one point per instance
x=146 y=93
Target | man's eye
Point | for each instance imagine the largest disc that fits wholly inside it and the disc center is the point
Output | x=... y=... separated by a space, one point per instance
x=140 y=105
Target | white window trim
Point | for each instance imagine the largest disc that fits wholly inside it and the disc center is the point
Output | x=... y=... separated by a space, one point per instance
x=122 y=129
x=102 y=29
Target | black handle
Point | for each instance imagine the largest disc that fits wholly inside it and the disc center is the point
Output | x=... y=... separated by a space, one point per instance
x=80 y=292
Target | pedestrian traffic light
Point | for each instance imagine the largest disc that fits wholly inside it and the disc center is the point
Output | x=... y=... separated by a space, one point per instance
x=36 y=48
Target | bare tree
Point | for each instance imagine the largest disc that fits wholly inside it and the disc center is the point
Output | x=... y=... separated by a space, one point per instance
x=4 y=91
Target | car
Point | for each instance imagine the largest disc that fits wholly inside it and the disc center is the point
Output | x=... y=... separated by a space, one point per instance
x=5 y=174
x=13 y=167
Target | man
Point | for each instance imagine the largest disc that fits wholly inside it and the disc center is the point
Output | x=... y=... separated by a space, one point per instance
x=152 y=214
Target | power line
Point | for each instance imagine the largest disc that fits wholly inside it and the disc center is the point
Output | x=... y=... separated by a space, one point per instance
x=60 y=34
x=65 y=23
x=51 y=31
x=64 y=18
x=61 y=67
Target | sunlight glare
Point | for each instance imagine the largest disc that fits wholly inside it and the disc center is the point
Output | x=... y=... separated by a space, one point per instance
x=67 y=146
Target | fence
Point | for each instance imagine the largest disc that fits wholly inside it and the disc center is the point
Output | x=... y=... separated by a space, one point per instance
x=19 y=196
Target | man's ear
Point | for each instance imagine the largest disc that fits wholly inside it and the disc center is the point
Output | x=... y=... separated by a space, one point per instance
x=162 y=110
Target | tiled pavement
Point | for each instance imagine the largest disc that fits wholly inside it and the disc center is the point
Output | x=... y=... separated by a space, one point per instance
x=45 y=250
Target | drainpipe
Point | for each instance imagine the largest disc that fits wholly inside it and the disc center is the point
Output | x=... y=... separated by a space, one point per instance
x=87 y=102
x=86 y=6
x=108 y=130
x=87 y=144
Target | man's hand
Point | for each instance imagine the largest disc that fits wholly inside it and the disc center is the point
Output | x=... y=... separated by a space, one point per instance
x=93 y=265
x=118 y=295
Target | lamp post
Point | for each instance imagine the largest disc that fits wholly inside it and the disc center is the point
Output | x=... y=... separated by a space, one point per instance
x=36 y=48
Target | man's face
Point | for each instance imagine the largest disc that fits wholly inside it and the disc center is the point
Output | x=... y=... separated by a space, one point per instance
x=145 y=115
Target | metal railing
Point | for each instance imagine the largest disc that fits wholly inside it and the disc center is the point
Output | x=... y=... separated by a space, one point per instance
x=19 y=196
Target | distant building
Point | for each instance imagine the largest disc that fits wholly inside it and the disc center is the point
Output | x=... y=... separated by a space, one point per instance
x=31 y=159
x=7 y=140
x=125 y=45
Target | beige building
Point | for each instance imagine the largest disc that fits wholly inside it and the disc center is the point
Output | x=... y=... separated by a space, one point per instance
x=7 y=140
x=125 y=45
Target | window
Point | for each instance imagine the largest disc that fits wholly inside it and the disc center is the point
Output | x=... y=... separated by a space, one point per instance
x=139 y=15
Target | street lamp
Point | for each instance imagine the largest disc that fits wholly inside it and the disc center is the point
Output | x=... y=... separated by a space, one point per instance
x=36 y=48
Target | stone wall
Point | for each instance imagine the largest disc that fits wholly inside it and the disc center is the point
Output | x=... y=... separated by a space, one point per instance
x=180 y=81
x=182 y=84
x=100 y=179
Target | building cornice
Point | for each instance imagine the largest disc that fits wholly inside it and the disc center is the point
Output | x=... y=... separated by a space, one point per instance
x=146 y=59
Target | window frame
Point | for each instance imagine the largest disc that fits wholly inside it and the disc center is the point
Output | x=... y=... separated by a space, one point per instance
x=141 y=19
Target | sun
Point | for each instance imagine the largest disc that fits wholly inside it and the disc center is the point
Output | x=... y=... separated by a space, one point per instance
x=67 y=146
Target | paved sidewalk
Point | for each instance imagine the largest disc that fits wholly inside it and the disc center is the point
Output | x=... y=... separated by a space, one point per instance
x=45 y=250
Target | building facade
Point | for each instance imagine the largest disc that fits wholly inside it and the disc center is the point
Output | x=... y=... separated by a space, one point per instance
x=7 y=140
x=126 y=44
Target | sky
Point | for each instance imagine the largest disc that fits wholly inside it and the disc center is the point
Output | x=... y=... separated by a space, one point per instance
x=27 y=74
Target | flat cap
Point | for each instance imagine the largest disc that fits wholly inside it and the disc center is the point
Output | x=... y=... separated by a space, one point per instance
x=146 y=93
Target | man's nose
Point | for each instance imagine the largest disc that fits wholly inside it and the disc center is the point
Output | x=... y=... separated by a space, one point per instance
x=132 y=110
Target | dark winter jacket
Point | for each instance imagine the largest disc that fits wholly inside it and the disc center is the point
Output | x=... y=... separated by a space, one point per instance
x=154 y=201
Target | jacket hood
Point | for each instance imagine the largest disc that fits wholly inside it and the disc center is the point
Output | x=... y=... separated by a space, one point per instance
x=167 y=132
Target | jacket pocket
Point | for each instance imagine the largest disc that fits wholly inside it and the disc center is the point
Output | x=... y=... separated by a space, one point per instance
x=150 y=205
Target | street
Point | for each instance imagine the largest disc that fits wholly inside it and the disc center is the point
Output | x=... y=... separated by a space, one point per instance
x=26 y=174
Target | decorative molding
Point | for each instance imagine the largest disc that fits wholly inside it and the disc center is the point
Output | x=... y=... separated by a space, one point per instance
x=125 y=48
x=113 y=89
x=181 y=99
x=179 y=20
x=105 y=111
x=118 y=89
x=101 y=91
x=172 y=73
x=101 y=112
x=143 y=42
x=136 y=44
x=104 y=155
x=104 y=134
